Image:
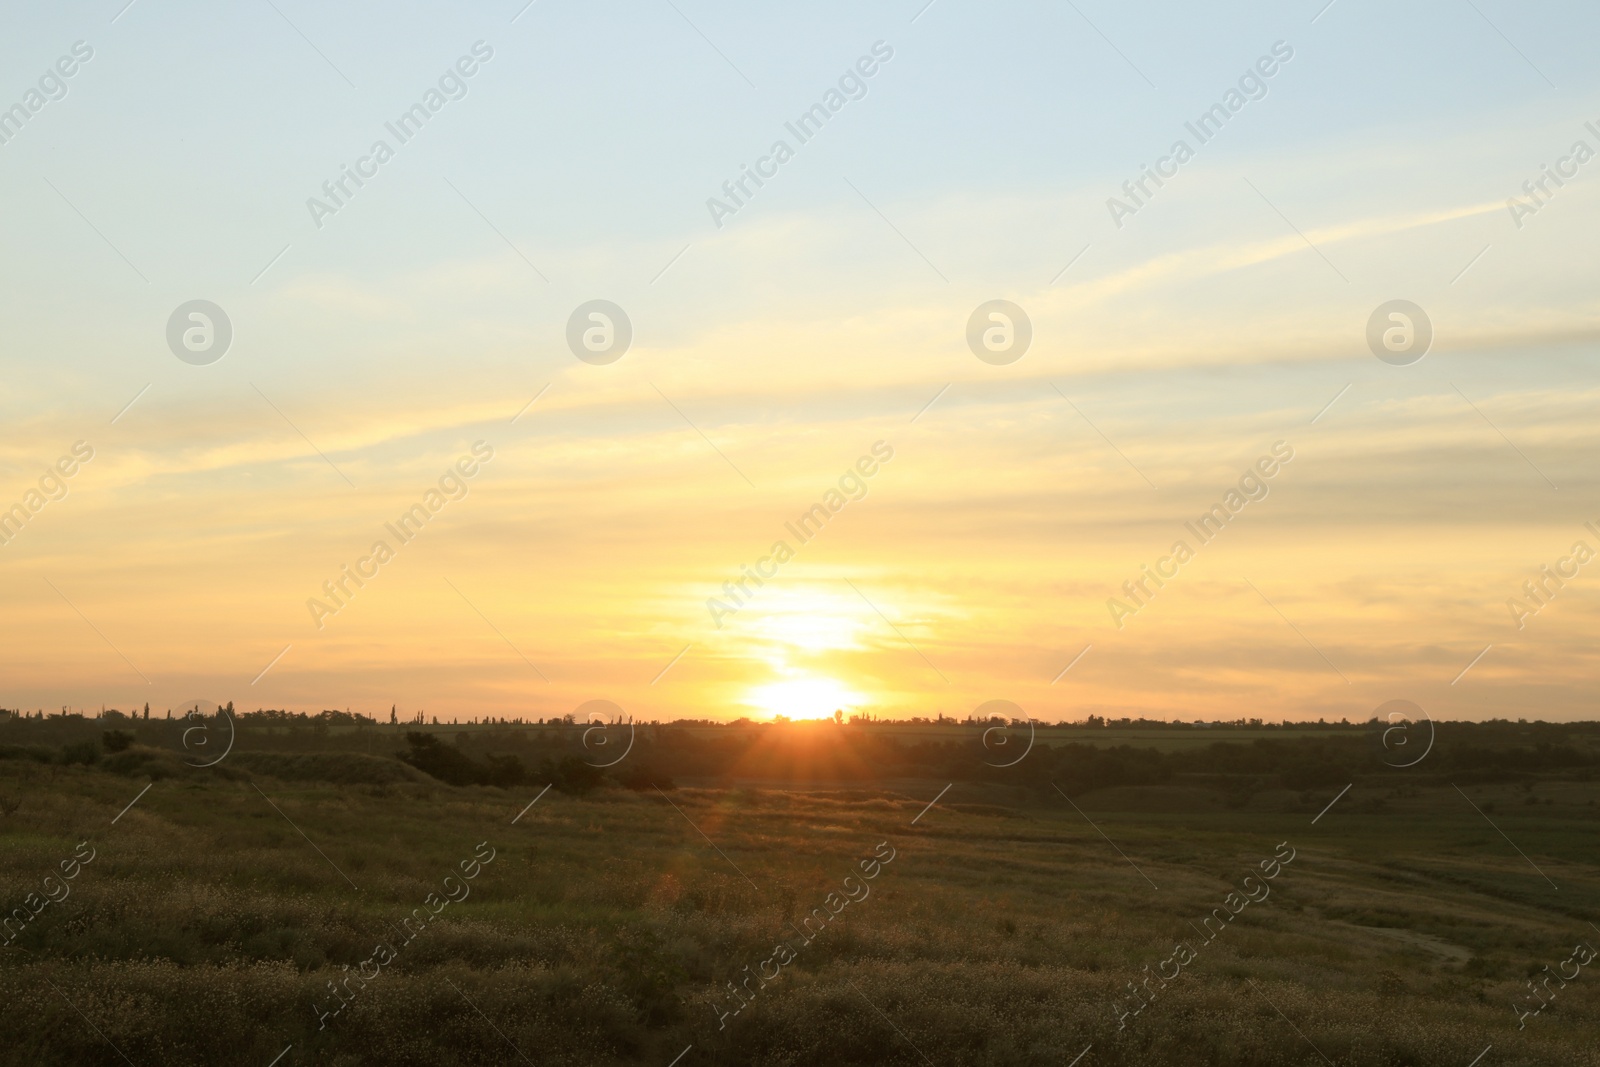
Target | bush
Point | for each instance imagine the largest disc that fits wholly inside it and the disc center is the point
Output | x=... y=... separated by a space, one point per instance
x=116 y=740
x=449 y=765
x=455 y=767
x=84 y=752
x=572 y=775
x=36 y=753
x=505 y=771
x=641 y=777
x=153 y=763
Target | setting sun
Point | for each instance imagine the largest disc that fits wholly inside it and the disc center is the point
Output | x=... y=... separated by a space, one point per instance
x=804 y=698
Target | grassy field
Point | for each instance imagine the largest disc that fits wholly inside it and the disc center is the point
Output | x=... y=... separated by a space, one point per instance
x=322 y=904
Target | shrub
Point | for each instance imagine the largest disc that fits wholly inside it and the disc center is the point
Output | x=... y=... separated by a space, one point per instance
x=641 y=777
x=572 y=775
x=36 y=753
x=454 y=767
x=153 y=763
x=449 y=765
x=505 y=771
x=84 y=752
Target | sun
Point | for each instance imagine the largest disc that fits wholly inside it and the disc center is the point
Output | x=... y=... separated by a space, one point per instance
x=808 y=697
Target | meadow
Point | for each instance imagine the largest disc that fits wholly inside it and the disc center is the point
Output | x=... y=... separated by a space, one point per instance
x=722 y=895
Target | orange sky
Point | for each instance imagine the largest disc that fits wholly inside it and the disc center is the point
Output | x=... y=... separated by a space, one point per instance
x=187 y=558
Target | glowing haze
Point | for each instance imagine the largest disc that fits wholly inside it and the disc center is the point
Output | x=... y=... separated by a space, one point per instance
x=380 y=349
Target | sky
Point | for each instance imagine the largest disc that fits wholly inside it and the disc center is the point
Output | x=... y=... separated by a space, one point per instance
x=782 y=334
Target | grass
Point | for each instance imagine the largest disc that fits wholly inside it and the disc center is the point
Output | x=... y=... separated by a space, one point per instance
x=608 y=926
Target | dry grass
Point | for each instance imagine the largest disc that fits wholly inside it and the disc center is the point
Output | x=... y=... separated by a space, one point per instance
x=606 y=927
